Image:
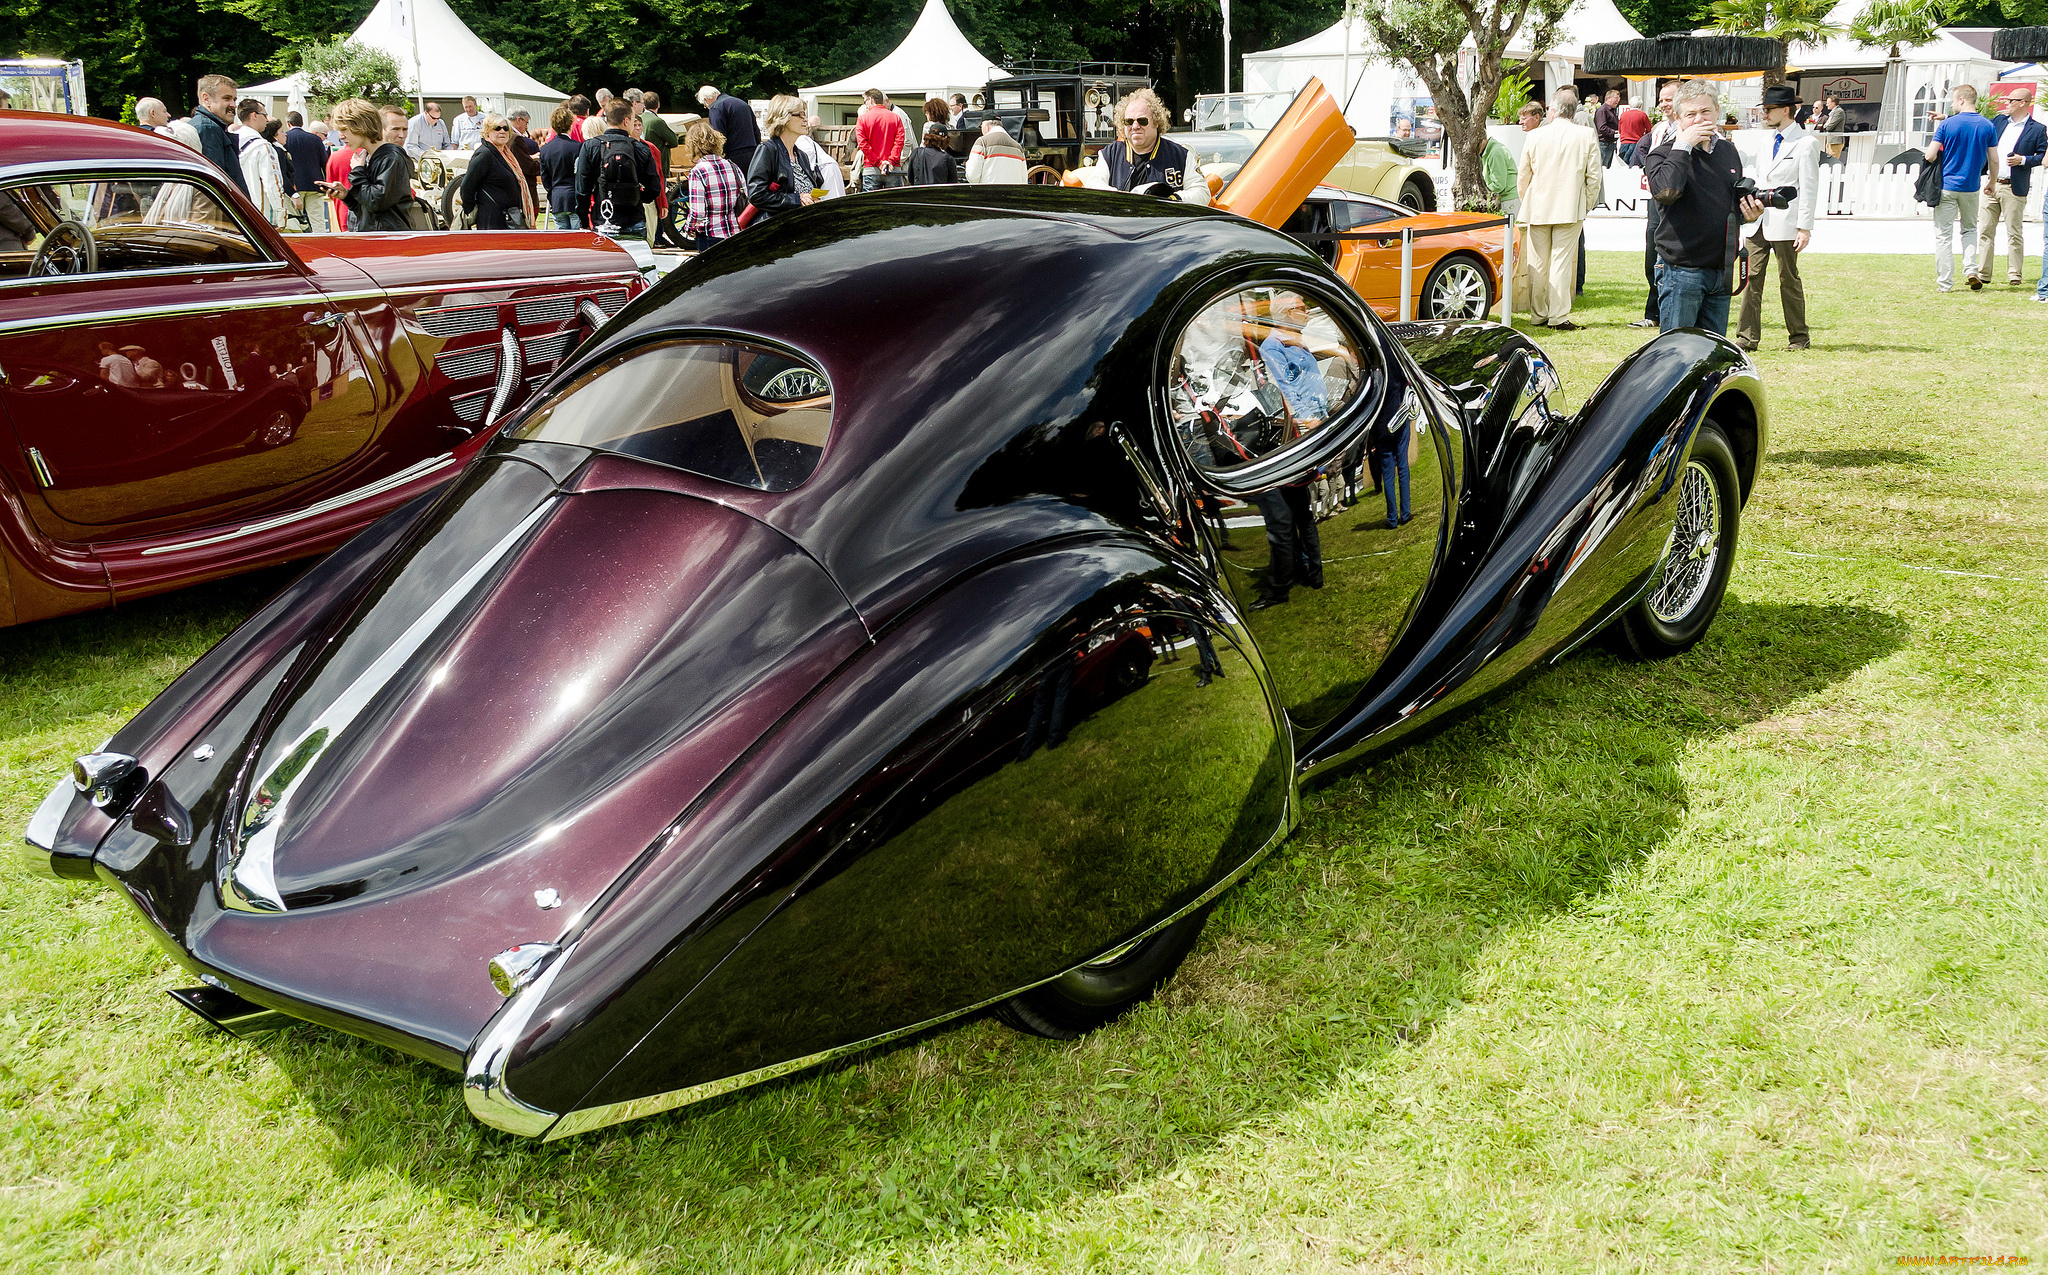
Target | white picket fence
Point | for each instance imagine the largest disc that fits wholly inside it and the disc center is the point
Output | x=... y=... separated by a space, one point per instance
x=1877 y=191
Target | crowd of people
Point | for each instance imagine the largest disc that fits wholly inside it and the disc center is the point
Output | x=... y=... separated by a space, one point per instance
x=1714 y=229
x=613 y=163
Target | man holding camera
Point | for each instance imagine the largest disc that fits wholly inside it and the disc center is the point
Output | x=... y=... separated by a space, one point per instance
x=1693 y=177
x=1782 y=232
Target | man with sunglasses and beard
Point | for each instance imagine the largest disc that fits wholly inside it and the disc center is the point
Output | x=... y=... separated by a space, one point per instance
x=1141 y=156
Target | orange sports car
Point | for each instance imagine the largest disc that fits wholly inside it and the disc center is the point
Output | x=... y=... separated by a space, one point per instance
x=1455 y=276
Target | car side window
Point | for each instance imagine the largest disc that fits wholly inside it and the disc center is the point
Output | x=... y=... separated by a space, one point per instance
x=1256 y=371
x=738 y=413
x=117 y=225
x=1352 y=213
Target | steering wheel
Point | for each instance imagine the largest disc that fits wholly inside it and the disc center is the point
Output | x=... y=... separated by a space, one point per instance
x=67 y=249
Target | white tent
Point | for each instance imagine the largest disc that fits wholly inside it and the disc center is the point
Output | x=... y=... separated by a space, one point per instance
x=452 y=62
x=1956 y=55
x=1371 y=82
x=934 y=60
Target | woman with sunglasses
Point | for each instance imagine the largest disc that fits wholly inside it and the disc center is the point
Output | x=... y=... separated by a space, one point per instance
x=1142 y=156
x=495 y=187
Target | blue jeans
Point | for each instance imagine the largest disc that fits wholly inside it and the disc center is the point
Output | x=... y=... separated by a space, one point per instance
x=1691 y=298
x=1394 y=461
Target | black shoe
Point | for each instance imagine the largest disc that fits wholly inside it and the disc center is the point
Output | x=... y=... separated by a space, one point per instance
x=1264 y=602
x=1393 y=523
x=1799 y=345
x=1407 y=518
x=1316 y=583
x=1566 y=326
x=1201 y=679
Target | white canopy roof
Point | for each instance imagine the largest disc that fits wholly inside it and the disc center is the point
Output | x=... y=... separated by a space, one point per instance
x=1951 y=45
x=1588 y=22
x=453 y=62
x=933 y=56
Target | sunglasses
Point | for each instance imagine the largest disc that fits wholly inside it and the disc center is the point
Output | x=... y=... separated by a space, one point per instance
x=1139 y=121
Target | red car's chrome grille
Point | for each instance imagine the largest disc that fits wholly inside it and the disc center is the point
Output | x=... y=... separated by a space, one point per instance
x=546 y=349
x=470 y=407
x=541 y=310
x=611 y=302
x=460 y=321
x=466 y=364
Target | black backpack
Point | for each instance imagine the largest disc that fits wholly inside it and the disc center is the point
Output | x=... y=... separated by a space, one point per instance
x=618 y=180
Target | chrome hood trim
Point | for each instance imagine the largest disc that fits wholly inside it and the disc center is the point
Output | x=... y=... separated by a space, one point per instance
x=248 y=877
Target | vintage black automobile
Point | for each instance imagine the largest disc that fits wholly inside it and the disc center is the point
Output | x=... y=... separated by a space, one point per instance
x=846 y=640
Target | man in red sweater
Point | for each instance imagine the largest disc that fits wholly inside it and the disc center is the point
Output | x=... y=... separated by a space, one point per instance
x=1634 y=126
x=879 y=133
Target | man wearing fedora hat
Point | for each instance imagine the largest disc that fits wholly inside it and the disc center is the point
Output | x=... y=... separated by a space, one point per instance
x=1782 y=232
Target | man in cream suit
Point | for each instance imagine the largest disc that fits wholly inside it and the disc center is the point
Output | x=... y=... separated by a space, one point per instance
x=1560 y=183
x=1794 y=160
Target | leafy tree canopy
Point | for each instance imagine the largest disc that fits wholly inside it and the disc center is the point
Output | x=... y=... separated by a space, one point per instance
x=159 y=48
x=343 y=68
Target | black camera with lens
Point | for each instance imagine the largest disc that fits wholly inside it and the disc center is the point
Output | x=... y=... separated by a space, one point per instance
x=1768 y=196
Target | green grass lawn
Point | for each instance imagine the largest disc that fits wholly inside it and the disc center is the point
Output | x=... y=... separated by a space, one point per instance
x=1728 y=963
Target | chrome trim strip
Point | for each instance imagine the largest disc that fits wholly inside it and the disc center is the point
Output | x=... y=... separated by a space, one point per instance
x=483 y=1072
x=248 y=878
x=314 y=301
x=8 y=327
x=511 y=371
x=589 y=1118
x=328 y=505
x=267 y=265
x=42 y=468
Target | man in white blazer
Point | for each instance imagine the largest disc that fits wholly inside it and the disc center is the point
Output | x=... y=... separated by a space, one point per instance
x=1559 y=182
x=1794 y=160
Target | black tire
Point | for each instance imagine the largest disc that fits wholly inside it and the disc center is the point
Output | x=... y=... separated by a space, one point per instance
x=1418 y=194
x=453 y=215
x=1466 y=288
x=1685 y=593
x=1082 y=1000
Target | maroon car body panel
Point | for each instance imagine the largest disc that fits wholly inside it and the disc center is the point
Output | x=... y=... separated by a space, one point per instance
x=300 y=397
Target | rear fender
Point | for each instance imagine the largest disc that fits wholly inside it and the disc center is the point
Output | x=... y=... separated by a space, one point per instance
x=1560 y=523
x=882 y=859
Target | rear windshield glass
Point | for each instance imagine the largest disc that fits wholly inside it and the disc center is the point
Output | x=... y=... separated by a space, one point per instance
x=738 y=413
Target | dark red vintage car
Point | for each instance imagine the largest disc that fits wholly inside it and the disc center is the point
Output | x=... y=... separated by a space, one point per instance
x=191 y=394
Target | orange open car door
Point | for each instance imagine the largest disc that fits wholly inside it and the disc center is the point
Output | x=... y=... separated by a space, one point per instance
x=1300 y=151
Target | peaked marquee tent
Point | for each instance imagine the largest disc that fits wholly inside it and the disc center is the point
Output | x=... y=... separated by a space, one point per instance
x=934 y=60
x=453 y=62
x=1374 y=82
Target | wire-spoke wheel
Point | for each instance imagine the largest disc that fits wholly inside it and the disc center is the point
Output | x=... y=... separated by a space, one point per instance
x=1101 y=991
x=1685 y=591
x=1457 y=289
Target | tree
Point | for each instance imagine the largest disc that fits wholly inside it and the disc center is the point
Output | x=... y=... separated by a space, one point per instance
x=1659 y=17
x=1788 y=22
x=343 y=68
x=1895 y=22
x=1427 y=35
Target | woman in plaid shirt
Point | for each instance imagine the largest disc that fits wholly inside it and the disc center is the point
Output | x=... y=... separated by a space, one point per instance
x=716 y=187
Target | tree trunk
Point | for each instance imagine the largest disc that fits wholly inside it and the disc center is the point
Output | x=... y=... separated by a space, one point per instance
x=1464 y=123
x=1778 y=76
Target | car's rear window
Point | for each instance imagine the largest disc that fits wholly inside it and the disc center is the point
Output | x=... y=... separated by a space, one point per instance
x=738 y=413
